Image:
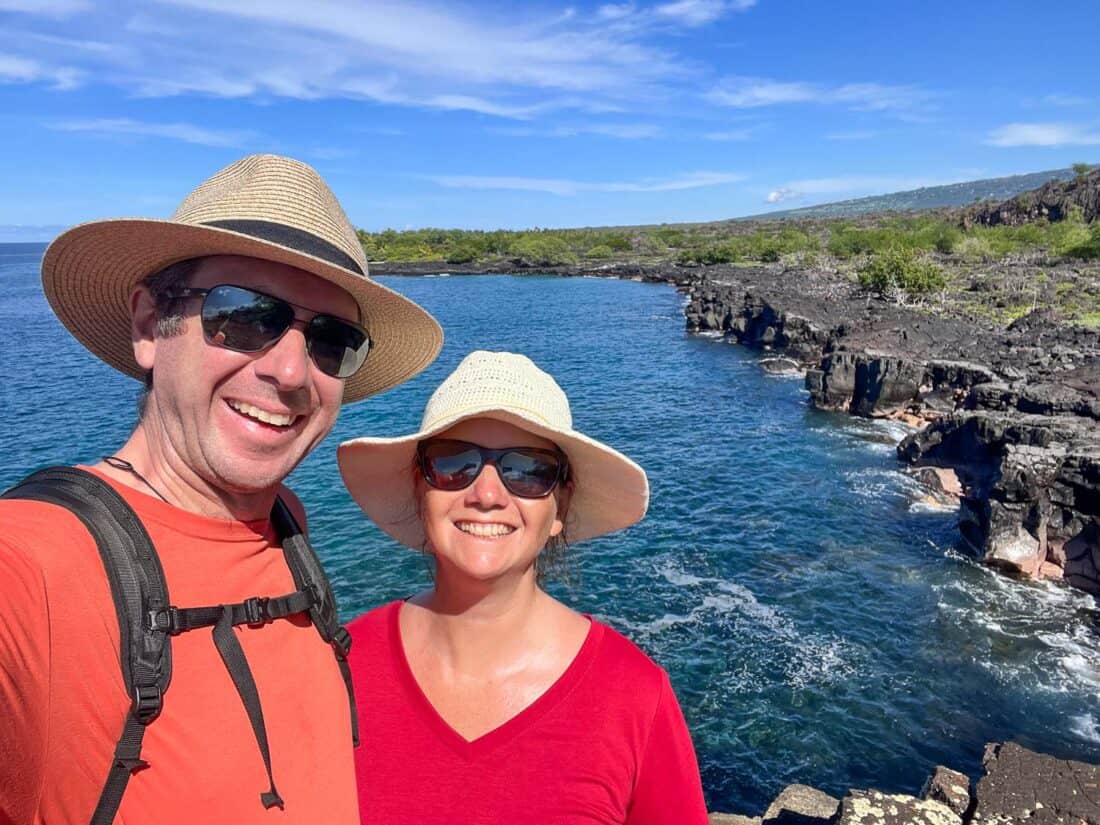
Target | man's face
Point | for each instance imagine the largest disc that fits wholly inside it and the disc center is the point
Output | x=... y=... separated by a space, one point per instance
x=208 y=401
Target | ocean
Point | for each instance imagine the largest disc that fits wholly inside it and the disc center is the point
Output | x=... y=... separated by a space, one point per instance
x=819 y=624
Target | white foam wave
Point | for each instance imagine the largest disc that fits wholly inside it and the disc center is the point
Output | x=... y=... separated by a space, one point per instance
x=1086 y=726
x=806 y=658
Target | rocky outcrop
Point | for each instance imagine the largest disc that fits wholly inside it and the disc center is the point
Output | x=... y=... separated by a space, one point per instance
x=1013 y=414
x=1053 y=202
x=1019 y=787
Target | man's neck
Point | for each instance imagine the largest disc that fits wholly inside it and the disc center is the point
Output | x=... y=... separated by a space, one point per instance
x=152 y=471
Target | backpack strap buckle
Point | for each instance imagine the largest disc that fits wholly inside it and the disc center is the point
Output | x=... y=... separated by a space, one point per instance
x=341 y=642
x=255 y=611
x=147 y=703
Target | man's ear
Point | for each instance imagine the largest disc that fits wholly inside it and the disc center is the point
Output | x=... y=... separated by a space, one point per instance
x=143 y=326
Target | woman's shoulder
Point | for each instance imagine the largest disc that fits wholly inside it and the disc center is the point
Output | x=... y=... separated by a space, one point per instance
x=623 y=659
x=375 y=621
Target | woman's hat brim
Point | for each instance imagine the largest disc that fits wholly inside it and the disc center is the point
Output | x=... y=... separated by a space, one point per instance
x=610 y=491
x=89 y=271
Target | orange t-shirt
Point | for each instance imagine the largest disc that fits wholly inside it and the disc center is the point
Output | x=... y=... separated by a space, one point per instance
x=63 y=701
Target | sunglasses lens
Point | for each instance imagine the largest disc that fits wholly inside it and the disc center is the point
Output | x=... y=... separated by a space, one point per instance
x=450 y=465
x=528 y=474
x=244 y=320
x=337 y=347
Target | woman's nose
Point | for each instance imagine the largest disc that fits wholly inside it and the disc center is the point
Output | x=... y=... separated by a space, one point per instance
x=488 y=489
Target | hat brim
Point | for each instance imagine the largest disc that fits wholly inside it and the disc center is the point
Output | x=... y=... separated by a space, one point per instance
x=89 y=271
x=610 y=491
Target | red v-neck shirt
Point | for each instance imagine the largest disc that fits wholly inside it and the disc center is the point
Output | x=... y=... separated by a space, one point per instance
x=606 y=743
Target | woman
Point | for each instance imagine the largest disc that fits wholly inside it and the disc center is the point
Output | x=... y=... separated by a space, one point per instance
x=483 y=699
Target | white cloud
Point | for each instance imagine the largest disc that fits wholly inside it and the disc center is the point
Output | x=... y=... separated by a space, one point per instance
x=754 y=92
x=174 y=131
x=780 y=195
x=15 y=69
x=730 y=135
x=564 y=187
x=50 y=8
x=853 y=135
x=1066 y=100
x=1043 y=134
x=850 y=186
x=692 y=12
x=615 y=11
x=624 y=131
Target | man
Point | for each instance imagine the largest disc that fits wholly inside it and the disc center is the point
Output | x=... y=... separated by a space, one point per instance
x=251 y=319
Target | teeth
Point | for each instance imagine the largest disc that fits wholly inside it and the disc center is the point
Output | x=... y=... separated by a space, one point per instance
x=277 y=419
x=481 y=530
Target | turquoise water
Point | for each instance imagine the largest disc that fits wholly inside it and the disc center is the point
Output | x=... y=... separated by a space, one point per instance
x=817 y=624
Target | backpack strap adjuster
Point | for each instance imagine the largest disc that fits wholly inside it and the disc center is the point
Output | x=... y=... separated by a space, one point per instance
x=341 y=642
x=147 y=703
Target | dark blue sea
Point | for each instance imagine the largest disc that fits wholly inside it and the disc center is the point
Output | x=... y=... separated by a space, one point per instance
x=817 y=622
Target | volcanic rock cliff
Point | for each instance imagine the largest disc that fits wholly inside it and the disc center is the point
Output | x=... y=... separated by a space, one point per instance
x=1015 y=412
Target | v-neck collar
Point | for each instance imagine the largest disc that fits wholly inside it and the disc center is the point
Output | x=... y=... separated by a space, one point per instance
x=508 y=730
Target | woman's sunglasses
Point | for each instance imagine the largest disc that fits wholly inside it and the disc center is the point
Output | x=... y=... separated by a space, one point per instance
x=248 y=321
x=527 y=472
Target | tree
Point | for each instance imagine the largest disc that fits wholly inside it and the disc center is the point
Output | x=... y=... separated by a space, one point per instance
x=1081 y=169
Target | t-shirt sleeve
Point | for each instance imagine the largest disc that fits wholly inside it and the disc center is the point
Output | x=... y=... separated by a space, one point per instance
x=668 y=791
x=24 y=685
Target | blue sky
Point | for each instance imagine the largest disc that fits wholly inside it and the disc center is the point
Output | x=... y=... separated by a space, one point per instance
x=486 y=115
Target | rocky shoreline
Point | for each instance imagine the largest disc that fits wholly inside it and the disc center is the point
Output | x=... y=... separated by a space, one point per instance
x=1019 y=786
x=1006 y=420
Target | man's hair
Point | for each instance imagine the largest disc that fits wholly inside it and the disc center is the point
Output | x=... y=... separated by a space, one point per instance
x=163 y=285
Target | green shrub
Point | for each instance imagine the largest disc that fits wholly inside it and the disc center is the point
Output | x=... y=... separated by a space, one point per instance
x=463 y=252
x=974 y=249
x=537 y=249
x=601 y=251
x=1088 y=248
x=901 y=269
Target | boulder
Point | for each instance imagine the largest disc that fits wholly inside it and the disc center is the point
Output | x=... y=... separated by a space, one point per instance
x=1021 y=786
x=876 y=808
x=732 y=819
x=1082 y=559
x=949 y=787
x=801 y=805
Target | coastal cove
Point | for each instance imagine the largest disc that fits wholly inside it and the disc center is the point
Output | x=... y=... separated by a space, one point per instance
x=817 y=621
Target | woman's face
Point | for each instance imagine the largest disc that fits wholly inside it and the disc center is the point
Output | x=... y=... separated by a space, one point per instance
x=483 y=531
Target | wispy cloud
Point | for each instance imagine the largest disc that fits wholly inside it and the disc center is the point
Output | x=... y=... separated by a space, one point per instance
x=730 y=135
x=1066 y=100
x=51 y=8
x=564 y=187
x=755 y=92
x=857 y=134
x=849 y=186
x=185 y=132
x=699 y=12
x=623 y=131
x=1044 y=134
x=15 y=69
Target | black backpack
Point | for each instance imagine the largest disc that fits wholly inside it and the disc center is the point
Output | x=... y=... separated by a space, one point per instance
x=147 y=619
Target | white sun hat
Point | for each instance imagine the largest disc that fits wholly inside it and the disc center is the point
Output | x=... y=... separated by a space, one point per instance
x=610 y=491
x=263 y=206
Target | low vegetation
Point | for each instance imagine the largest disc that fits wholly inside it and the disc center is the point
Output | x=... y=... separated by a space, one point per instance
x=997 y=272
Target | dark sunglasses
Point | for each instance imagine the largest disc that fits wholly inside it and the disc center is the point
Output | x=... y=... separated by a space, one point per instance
x=248 y=321
x=527 y=472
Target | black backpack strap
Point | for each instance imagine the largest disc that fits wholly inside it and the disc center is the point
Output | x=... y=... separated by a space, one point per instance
x=138 y=589
x=309 y=576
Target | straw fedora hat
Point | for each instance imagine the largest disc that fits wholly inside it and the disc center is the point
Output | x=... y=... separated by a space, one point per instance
x=262 y=206
x=610 y=491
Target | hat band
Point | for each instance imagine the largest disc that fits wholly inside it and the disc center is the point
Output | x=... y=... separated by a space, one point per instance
x=291 y=237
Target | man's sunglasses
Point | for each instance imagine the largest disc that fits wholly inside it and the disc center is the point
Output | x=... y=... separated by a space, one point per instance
x=248 y=321
x=527 y=472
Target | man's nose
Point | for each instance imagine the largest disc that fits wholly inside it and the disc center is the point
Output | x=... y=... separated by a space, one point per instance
x=287 y=361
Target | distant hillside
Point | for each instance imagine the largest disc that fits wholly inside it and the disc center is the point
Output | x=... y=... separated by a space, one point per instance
x=929 y=197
